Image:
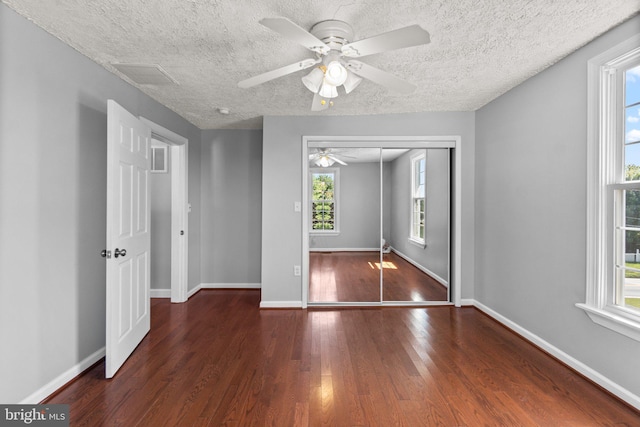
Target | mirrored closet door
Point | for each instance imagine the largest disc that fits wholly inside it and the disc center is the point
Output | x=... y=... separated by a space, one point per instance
x=344 y=230
x=416 y=223
x=378 y=224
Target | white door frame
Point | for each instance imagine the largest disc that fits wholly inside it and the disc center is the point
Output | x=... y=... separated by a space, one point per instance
x=179 y=158
x=389 y=142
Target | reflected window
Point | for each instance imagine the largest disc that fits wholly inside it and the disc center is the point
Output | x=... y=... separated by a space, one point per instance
x=418 y=165
x=324 y=203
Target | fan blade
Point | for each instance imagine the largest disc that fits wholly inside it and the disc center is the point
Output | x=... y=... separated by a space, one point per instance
x=341 y=152
x=335 y=159
x=295 y=33
x=380 y=77
x=404 y=37
x=280 y=72
x=317 y=104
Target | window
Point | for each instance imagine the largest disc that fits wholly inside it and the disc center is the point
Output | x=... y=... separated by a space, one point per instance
x=613 y=218
x=418 y=164
x=159 y=159
x=627 y=199
x=324 y=201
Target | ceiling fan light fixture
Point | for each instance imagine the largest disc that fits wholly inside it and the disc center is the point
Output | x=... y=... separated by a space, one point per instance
x=332 y=42
x=351 y=82
x=336 y=74
x=328 y=91
x=324 y=161
x=313 y=80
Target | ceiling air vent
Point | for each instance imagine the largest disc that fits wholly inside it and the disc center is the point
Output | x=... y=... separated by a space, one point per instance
x=146 y=74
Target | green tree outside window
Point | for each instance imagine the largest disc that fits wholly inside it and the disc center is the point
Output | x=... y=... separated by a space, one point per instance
x=323 y=207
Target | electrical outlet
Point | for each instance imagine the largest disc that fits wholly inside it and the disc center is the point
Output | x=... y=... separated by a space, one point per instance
x=297 y=271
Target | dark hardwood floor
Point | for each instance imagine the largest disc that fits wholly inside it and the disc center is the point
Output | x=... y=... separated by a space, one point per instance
x=405 y=282
x=355 y=277
x=220 y=360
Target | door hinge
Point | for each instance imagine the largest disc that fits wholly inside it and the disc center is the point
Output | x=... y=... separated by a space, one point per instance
x=105 y=254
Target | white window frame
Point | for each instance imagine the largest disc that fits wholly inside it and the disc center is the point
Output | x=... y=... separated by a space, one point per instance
x=605 y=183
x=159 y=150
x=336 y=201
x=413 y=238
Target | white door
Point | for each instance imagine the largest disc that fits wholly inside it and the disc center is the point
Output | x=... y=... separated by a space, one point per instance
x=128 y=235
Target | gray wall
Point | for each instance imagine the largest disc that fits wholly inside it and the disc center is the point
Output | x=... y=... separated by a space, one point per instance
x=232 y=206
x=282 y=145
x=160 y=194
x=359 y=209
x=53 y=126
x=531 y=212
x=435 y=255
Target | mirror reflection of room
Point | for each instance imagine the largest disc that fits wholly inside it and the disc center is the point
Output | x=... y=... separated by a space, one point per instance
x=379 y=225
x=416 y=196
x=344 y=234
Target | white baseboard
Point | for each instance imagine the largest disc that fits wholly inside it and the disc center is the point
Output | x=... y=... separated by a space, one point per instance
x=160 y=293
x=166 y=293
x=467 y=302
x=280 y=304
x=193 y=291
x=439 y=279
x=230 y=285
x=344 y=249
x=580 y=367
x=44 y=392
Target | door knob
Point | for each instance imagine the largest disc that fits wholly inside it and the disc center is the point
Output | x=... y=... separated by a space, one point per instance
x=119 y=252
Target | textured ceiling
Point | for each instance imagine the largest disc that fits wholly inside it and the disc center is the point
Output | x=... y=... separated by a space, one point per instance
x=479 y=48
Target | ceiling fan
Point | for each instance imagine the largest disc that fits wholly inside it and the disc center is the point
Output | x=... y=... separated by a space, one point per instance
x=325 y=157
x=333 y=66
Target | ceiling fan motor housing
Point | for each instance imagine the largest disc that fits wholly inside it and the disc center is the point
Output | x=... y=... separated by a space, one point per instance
x=333 y=33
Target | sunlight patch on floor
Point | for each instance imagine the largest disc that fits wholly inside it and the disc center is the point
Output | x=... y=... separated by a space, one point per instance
x=386 y=264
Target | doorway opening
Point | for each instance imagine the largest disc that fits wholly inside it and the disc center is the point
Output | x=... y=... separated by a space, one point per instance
x=177 y=165
x=360 y=194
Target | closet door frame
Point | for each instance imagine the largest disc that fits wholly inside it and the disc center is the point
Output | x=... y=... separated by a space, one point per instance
x=451 y=142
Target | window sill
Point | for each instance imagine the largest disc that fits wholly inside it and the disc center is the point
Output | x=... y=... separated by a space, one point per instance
x=418 y=243
x=324 y=233
x=620 y=324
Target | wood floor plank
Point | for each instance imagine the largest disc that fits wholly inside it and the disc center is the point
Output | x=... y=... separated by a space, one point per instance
x=218 y=360
x=355 y=277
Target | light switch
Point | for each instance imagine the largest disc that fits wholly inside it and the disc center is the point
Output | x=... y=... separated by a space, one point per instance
x=297 y=206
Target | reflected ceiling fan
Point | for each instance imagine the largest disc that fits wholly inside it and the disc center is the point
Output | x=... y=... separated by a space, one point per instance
x=325 y=157
x=333 y=66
